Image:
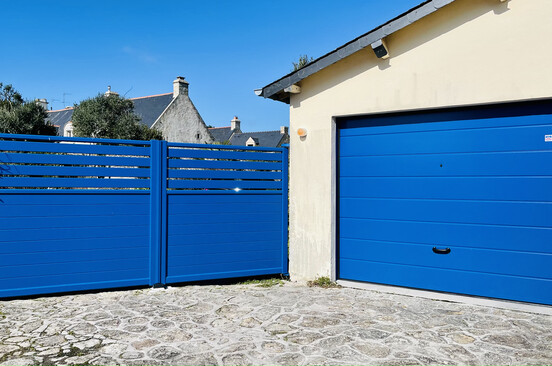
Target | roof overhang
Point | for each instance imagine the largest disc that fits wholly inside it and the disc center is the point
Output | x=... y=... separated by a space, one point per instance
x=276 y=89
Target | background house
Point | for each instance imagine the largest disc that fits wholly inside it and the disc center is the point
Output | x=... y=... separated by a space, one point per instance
x=234 y=136
x=423 y=159
x=223 y=134
x=174 y=114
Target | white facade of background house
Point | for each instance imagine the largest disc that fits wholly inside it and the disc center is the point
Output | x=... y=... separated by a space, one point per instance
x=68 y=129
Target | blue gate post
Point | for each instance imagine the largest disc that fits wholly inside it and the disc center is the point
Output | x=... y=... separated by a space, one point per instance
x=158 y=205
x=285 y=208
x=164 y=210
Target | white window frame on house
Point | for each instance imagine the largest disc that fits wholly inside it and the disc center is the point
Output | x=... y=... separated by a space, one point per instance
x=251 y=142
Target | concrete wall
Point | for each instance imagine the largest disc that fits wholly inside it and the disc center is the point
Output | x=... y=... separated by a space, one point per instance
x=181 y=122
x=469 y=52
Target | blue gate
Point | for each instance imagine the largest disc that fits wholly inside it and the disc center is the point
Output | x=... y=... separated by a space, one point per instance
x=227 y=212
x=81 y=214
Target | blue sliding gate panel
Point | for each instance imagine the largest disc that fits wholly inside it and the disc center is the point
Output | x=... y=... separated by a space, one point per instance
x=60 y=242
x=227 y=212
x=74 y=214
x=456 y=201
x=82 y=214
x=210 y=236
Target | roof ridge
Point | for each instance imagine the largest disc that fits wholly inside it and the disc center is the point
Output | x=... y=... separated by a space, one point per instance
x=147 y=96
x=61 y=110
x=244 y=133
x=150 y=96
x=214 y=128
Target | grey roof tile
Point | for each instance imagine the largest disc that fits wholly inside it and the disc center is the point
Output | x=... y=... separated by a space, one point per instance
x=147 y=108
x=264 y=138
x=221 y=134
x=150 y=108
x=60 y=118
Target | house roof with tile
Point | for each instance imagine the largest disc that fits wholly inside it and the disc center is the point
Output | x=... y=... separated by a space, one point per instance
x=149 y=108
x=60 y=117
x=221 y=134
x=263 y=138
x=235 y=136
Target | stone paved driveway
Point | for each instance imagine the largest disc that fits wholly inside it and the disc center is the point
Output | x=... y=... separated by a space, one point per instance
x=245 y=324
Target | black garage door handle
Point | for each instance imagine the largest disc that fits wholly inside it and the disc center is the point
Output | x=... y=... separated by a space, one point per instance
x=441 y=251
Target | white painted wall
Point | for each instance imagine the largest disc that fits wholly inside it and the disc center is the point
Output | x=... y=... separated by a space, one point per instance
x=469 y=52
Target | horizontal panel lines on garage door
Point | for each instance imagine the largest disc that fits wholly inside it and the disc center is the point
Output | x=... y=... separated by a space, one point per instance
x=439 y=279
x=471 y=235
x=483 y=212
x=461 y=272
x=463 y=258
x=430 y=165
x=528 y=189
x=391 y=125
x=359 y=242
x=530 y=138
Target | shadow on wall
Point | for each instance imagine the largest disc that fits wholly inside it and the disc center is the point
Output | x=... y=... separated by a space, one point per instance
x=432 y=26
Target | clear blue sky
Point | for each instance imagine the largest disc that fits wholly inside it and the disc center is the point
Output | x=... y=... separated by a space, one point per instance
x=225 y=49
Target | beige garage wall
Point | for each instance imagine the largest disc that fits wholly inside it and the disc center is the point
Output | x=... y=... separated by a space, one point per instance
x=469 y=52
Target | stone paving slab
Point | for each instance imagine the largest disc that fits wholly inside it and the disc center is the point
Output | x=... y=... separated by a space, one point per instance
x=244 y=324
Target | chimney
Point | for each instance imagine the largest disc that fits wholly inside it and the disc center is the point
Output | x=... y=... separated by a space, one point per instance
x=235 y=124
x=42 y=102
x=284 y=130
x=180 y=86
x=109 y=92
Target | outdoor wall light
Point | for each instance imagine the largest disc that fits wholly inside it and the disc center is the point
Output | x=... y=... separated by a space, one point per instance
x=293 y=89
x=302 y=132
x=380 y=49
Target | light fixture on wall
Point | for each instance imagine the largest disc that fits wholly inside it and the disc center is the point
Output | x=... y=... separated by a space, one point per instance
x=380 y=49
x=302 y=132
x=293 y=89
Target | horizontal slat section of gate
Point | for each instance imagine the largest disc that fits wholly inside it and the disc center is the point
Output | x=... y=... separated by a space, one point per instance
x=74 y=214
x=227 y=212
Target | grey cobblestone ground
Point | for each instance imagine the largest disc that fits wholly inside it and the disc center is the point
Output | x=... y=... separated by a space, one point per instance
x=245 y=324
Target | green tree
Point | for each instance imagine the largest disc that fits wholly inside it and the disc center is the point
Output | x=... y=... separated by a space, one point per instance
x=226 y=142
x=20 y=117
x=302 y=62
x=110 y=117
x=9 y=97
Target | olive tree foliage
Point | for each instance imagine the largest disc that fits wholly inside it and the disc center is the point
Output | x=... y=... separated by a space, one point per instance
x=110 y=117
x=303 y=61
x=9 y=97
x=21 y=117
x=226 y=142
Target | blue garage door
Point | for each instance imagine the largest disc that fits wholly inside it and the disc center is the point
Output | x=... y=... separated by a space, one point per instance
x=457 y=201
